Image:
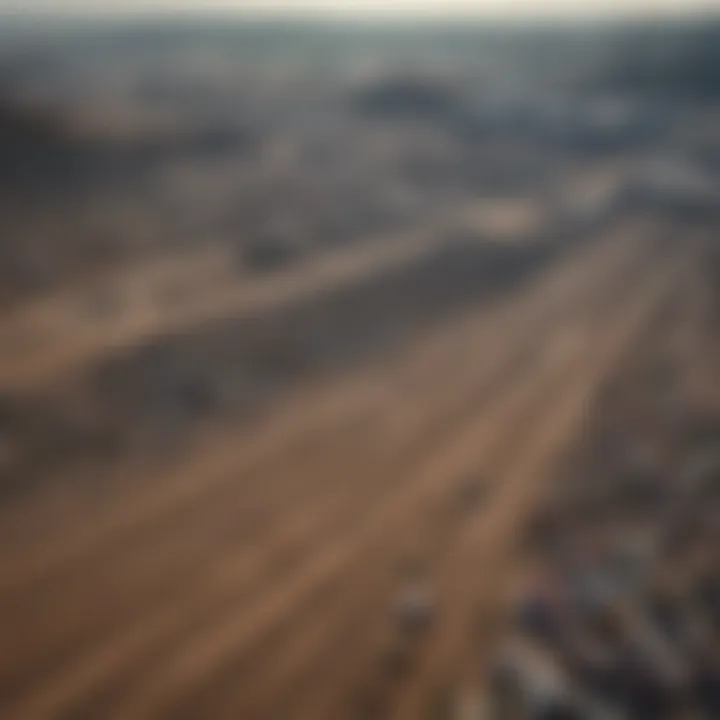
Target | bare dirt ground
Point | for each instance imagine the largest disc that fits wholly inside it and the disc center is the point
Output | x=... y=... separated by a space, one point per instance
x=256 y=571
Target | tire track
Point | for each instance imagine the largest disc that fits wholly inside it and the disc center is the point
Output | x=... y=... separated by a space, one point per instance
x=488 y=544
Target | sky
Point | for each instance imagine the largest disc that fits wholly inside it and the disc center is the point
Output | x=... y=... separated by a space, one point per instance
x=377 y=8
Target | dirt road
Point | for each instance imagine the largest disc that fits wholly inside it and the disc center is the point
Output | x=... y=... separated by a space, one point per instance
x=257 y=574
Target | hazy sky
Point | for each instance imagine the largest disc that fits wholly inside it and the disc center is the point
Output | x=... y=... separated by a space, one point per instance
x=374 y=7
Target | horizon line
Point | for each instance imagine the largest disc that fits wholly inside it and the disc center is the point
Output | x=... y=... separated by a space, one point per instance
x=334 y=12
